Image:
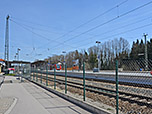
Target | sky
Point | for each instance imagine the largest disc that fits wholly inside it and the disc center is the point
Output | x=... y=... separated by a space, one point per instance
x=42 y=28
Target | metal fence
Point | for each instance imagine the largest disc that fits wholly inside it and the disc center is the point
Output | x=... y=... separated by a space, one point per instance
x=125 y=90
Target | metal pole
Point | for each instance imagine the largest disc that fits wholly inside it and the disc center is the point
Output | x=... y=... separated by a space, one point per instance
x=41 y=76
x=84 y=82
x=6 y=54
x=30 y=73
x=46 y=76
x=54 y=78
x=146 y=56
x=98 y=54
x=30 y=76
x=36 y=75
x=65 y=79
x=117 y=93
x=98 y=58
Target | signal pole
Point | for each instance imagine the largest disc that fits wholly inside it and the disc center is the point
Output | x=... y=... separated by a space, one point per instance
x=7 y=43
x=146 y=56
x=98 y=55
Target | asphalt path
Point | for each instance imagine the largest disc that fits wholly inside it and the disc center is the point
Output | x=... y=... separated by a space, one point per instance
x=32 y=99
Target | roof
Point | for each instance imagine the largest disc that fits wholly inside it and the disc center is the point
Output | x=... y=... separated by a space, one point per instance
x=19 y=62
x=2 y=60
x=37 y=62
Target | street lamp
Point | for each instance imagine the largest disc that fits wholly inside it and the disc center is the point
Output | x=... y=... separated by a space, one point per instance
x=64 y=57
x=15 y=57
x=98 y=53
x=146 y=55
x=18 y=52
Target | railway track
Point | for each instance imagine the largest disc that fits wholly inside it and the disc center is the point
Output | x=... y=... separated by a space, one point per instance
x=112 y=80
x=125 y=96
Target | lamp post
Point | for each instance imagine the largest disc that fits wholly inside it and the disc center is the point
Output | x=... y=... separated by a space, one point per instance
x=18 y=52
x=98 y=53
x=15 y=57
x=64 y=57
x=146 y=56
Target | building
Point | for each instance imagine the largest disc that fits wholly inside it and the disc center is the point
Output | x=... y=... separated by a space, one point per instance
x=2 y=63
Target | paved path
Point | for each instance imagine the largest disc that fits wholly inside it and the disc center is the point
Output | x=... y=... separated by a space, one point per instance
x=31 y=99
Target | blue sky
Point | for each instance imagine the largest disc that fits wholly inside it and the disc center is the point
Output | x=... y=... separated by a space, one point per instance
x=38 y=26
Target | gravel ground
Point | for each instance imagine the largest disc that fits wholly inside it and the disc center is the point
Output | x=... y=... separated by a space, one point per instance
x=102 y=101
x=5 y=104
x=130 y=89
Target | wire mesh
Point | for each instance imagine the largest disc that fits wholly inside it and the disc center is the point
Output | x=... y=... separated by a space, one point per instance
x=135 y=80
x=134 y=76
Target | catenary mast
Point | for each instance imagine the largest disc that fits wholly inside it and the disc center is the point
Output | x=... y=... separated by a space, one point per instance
x=6 y=55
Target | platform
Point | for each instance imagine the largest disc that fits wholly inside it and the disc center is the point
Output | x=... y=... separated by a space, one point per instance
x=31 y=99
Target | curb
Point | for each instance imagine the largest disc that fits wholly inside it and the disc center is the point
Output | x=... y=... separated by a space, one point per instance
x=82 y=104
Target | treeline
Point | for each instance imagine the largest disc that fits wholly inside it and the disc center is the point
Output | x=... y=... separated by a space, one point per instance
x=109 y=51
x=138 y=50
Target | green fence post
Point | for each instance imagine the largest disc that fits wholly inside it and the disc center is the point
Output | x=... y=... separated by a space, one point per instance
x=30 y=74
x=46 y=76
x=36 y=74
x=54 y=78
x=65 y=79
x=84 y=82
x=117 y=94
x=41 y=76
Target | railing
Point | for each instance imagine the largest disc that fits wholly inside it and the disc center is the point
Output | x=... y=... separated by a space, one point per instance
x=128 y=91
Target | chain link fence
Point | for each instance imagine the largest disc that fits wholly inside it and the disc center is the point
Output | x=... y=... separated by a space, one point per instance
x=124 y=88
x=135 y=80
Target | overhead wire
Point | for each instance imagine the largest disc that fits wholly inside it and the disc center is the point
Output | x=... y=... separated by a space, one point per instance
x=116 y=29
x=150 y=24
x=31 y=30
x=111 y=20
x=92 y=19
x=37 y=33
x=42 y=29
x=108 y=37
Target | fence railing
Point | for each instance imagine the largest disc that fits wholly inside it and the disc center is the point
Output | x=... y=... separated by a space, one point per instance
x=127 y=89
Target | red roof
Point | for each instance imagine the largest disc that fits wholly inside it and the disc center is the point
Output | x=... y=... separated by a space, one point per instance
x=2 y=60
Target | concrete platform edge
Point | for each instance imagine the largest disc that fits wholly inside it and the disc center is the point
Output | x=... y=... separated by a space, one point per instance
x=79 y=103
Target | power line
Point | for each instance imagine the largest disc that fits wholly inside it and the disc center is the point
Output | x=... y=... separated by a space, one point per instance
x=150 y=24
x=31 y=30
x=39 y=29
x=111 y=20
x=37 y=33
x=94 y=18
x=124 y=14
x=14 y=18
x=117 y=28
